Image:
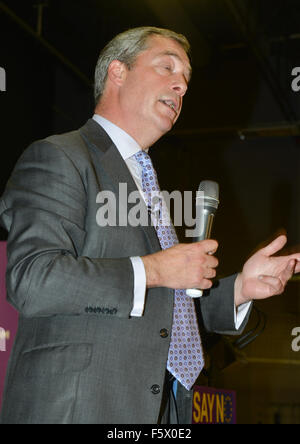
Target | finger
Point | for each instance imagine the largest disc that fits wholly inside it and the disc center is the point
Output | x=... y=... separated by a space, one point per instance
x=210 y=273
x=212 y=262
x=296 y=258
x=289 y=271
x=274 y=284
x=209 y=246
x=276 y=245
x=205 y=284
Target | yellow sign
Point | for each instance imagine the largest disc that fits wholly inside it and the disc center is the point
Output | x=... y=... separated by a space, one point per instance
x=4 y=336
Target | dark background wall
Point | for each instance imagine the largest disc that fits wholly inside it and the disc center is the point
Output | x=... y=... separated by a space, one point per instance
x=240 y=126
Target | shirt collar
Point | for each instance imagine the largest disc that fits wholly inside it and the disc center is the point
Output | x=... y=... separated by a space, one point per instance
x=126 y=145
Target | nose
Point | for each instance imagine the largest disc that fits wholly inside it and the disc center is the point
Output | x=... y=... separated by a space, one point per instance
x=180 y=85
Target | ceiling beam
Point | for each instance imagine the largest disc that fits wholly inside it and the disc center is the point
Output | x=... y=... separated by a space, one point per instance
x=50 y=48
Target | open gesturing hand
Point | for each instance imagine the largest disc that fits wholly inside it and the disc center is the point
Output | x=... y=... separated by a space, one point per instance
x=265 y=275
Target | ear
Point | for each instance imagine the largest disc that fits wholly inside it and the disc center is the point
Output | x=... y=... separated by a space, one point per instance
x=117 y=72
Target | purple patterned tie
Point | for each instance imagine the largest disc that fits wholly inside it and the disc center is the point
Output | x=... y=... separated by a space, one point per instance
x=185 y=359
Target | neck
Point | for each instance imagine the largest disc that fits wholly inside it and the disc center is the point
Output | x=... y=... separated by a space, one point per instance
x=115 y=117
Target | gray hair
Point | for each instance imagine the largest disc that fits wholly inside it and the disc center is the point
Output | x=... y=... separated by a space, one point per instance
x=125 y=47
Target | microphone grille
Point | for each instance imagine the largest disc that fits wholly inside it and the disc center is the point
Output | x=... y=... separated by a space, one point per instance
x=210 y=189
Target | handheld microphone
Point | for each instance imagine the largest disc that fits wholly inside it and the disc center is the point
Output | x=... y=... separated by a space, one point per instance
x=207 y=203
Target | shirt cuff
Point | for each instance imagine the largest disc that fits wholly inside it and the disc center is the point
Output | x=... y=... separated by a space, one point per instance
x=139 y=286
x=240 y=313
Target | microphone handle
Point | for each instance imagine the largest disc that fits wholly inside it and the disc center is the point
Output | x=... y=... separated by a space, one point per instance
x=194 y=292
x=205 y=234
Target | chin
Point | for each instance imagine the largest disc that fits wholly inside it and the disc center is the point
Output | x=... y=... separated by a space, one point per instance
x=166 y=126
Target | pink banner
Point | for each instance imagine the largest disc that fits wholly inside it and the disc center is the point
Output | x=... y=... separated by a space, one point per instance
x=8 y=321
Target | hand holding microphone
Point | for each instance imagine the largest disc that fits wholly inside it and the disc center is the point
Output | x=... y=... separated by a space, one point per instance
x=207 y=203
x=189 y=264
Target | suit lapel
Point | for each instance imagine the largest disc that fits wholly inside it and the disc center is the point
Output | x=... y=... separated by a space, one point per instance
x=111 y=161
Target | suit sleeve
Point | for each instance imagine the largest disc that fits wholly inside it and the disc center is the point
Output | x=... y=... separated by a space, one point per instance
x=44 y=208
x=217 y=308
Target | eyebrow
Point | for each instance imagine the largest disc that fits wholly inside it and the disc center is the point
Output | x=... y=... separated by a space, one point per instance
x=174 y=54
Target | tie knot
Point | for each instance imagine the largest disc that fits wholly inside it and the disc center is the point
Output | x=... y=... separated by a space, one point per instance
x=144 y=160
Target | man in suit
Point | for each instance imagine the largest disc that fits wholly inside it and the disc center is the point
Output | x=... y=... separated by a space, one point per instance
x=96 y=302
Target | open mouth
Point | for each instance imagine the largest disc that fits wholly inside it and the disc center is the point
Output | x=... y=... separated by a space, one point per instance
x=170 y=104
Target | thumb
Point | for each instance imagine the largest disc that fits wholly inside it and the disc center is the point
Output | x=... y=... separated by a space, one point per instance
x=275 y=246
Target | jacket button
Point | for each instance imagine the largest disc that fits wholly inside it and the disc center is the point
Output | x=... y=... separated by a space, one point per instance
x=155 y=389
x=164 y=333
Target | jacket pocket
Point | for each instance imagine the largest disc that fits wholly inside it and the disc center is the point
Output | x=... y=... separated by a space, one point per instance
x=56 y=359
x=45 y=383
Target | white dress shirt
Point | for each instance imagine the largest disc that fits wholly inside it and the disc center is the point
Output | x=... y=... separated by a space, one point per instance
x=128 y=147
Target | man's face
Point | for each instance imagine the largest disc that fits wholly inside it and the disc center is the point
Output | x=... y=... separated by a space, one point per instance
x=151 y=95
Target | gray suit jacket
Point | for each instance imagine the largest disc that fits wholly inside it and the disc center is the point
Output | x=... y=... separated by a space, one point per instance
x=78 y=356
